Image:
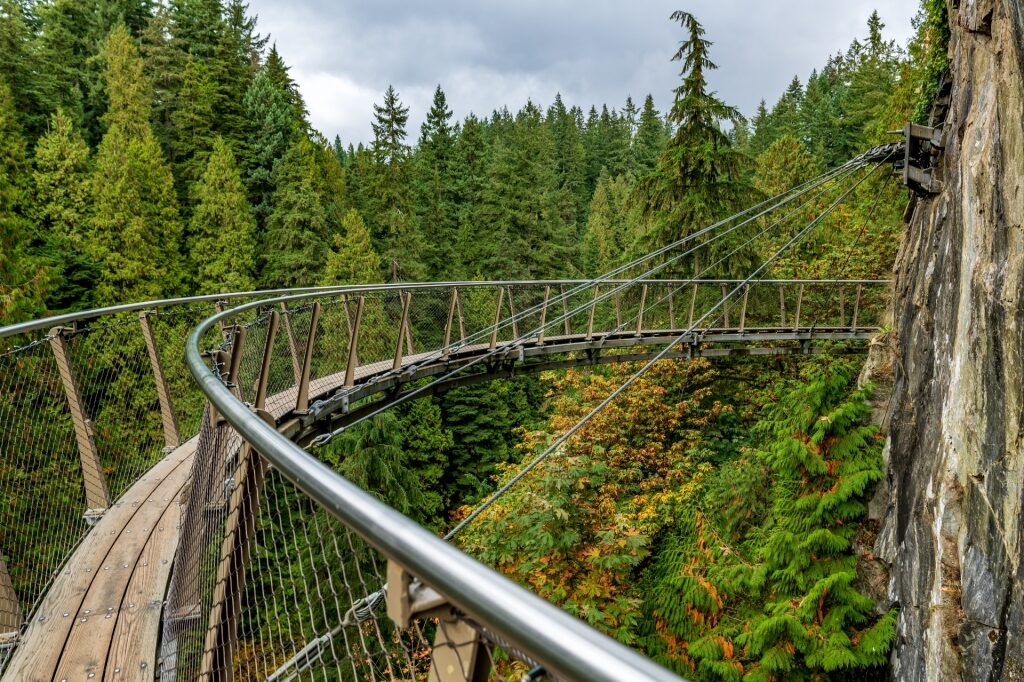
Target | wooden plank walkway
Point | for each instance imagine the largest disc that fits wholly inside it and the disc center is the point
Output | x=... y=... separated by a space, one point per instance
x=100 y=620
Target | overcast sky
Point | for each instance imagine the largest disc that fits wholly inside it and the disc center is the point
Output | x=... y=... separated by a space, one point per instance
x=486 y=54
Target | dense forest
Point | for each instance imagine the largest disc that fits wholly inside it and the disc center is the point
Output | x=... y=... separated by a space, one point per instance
x=153 y=150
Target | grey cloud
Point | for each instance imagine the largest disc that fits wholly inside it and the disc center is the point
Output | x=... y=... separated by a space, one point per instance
x=491 y=54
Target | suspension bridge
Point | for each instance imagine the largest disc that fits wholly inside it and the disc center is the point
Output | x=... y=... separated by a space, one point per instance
x=171 y=514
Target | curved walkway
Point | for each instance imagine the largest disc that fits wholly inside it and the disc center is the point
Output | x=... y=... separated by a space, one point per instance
x=101 y=618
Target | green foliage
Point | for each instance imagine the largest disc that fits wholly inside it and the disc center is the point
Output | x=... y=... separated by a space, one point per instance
x=61 y=203
x=700 y=175
x=272 y=117
x=222 y=229
x=135 y=233
x=293 y=247
x=352 y=259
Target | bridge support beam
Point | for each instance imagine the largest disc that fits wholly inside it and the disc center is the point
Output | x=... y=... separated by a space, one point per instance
x=302 y=398
x=353 y=344
x=543 y=316
x=459 y=652
x=167 y=417
x=10 y=609
x=404 y=334
x=97 y=496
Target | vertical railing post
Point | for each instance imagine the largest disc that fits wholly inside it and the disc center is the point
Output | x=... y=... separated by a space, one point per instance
x=640 y=316
x=856 y=306
x=293 y=349
x=402 y=330
x=446 y=348
x=799 y=303
x=302 y=399
x=782 y=304
x=693 y=304
x=10 y=610
x=543 y=315
x=97 y=496
x=167 y=417
x=743 y=308
x=566 y=323
x=590 y=318
x=842 y=307
x=671 y=307
x=512 y=315
x=618 y=311
x=353 y=346
x=497 y=318
x=725 y=306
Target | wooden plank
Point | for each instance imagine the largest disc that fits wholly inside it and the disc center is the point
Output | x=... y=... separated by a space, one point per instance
x=135 y=639
x=90 y=638
x=39 y=652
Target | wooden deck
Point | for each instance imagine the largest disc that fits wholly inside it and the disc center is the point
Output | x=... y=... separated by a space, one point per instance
x=100 y=620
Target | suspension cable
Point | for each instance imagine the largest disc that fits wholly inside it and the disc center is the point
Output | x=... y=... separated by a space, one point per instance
x=843 y=172
x=483 y=506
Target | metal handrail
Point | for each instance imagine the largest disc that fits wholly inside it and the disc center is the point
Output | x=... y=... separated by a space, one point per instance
x=67 y=318
x=565 y=645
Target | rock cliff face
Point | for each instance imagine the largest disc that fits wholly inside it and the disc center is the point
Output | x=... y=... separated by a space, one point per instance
x=953 y=530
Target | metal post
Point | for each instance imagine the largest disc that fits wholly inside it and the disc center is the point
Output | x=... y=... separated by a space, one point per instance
x=725 y=306
x=856 y=307
x=693 y=304
x=543 y=315
x=260 y=401
x=10 y=610
x=448 y=325
x=497 y=318
x=302 y=400
x=618 y=311
x=842 y=307
x=170 y=423
x=458 y=653
x=353 y=346
x=402 y=331
x=512 y=314
x=799 y=302
x=292 y=347
x=97 y=496
x=590 y=319
x=743 y=308
x=567 y=325
x=782 y=304
x=640 y=317
x=671 y=308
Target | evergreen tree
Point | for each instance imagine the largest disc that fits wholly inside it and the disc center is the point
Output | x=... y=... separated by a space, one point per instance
x=434 y=204
x=135 y=231
x=389 y=199
x=279 y=75
x=222 y=229
x=609 y=229
x=352 y=259
x=273 y=122
x=699 y=177
x=469 y=177
x=20 y=67
x=293 y=248
x=570 y=157
x=22 y=281
x=650 y=139
x=529 y=217
x=193 y=126
x=61 y=213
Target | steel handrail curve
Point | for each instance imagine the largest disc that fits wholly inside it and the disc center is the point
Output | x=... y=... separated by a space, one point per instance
x=566 y=646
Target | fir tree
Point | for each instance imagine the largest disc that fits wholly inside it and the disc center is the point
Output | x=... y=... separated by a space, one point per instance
x=435 y=208
x=222 y=229
x=279 y=75
x=273 y=122
x=62 y=212
x=135 y=231
x=650 y=139
x=352 y=259
x=293 y=246
x=22 y=281
x=570 y=157
x=193 y=126
x=699 y=177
